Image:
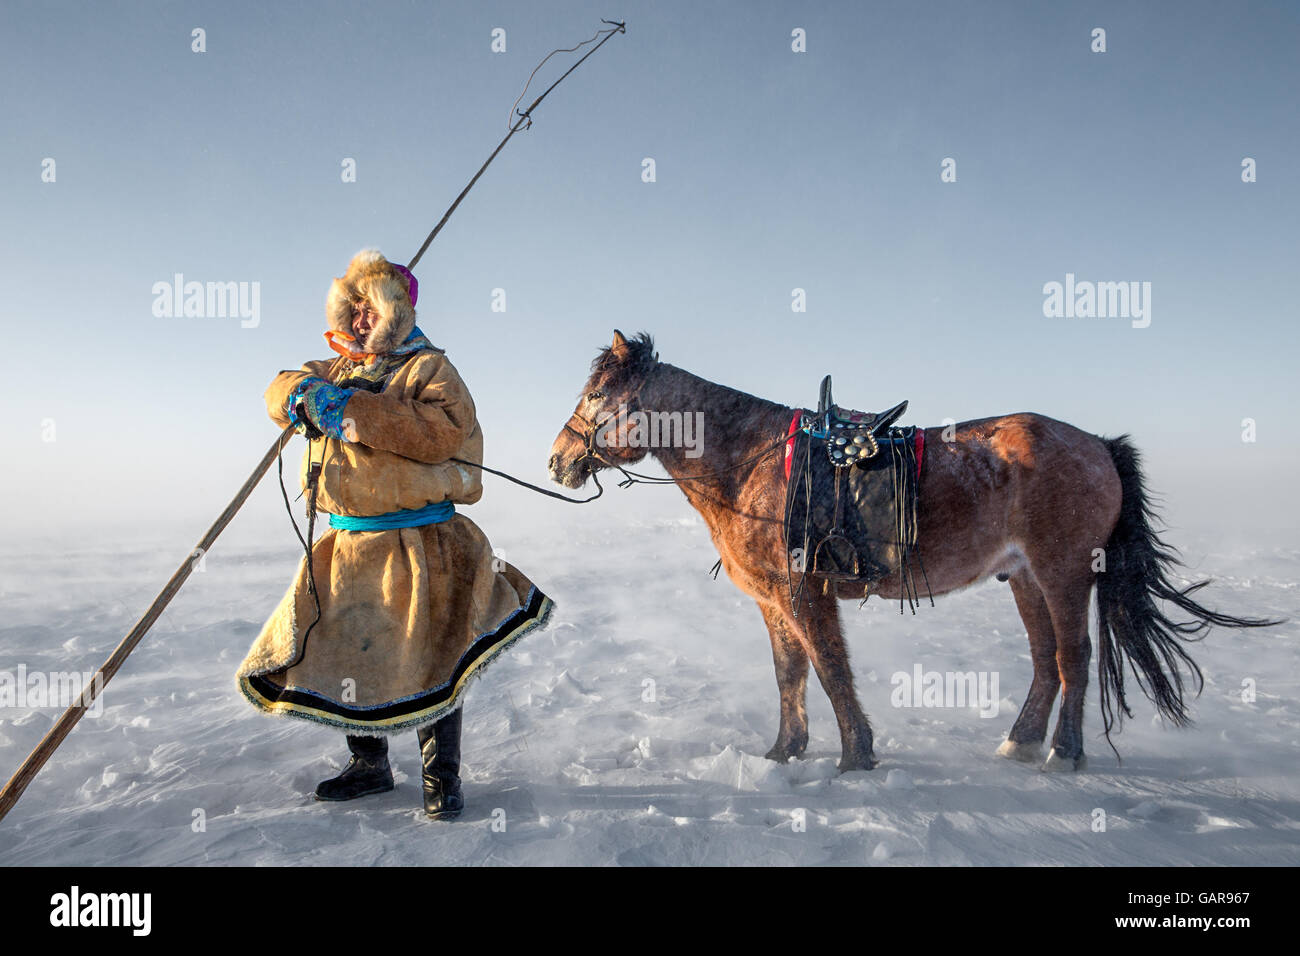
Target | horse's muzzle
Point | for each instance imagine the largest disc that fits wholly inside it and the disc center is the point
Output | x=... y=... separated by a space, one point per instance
x=571 y=475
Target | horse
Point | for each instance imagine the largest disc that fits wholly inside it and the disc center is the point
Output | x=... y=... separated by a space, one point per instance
x=1047 y=507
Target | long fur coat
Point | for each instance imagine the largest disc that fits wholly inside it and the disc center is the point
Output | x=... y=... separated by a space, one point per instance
x=408 y=616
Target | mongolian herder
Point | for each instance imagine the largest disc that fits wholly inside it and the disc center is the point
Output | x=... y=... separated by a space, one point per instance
x=412 y=601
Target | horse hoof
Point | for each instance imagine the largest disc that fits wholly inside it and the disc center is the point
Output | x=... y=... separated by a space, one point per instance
x=868 y=762
x=783 y=751
x=1031 y=752
x=1058 y=764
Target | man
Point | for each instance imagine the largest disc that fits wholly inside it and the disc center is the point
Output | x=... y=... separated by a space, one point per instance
x=412 y=602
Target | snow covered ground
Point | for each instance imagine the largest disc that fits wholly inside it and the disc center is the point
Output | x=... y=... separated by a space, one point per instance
x=632 y=730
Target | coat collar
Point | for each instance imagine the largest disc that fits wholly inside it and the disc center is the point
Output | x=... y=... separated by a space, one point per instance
x=346 y=345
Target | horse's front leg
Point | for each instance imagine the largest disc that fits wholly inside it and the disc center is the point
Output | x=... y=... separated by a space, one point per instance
x=791 y=662
x=824 y=643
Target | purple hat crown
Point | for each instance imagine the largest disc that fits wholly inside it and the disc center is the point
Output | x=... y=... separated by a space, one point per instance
x=412 y=286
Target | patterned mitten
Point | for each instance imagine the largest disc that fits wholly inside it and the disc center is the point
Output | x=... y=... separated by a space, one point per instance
x=315 y=407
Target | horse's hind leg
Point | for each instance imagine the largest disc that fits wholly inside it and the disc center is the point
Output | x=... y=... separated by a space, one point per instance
x=1068 y=601
x=1025 y=742
x=792 y=680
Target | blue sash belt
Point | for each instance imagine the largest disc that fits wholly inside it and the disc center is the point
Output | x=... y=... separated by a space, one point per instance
x=408 y=518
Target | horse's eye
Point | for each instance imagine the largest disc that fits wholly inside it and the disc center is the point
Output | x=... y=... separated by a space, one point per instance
x=594 y=396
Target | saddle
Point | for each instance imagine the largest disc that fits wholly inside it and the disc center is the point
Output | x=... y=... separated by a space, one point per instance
x=852 y=496
x=851 y=436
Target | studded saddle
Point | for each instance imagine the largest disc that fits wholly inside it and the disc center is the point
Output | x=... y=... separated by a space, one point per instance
x=852 y=497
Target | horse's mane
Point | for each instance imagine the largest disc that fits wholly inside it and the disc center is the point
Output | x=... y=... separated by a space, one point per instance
x=639 y=359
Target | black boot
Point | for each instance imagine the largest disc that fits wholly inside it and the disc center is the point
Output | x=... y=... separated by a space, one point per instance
x=440 y=753
x=367 y=772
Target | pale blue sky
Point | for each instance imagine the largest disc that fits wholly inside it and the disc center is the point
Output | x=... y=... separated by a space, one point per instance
x=775 y=170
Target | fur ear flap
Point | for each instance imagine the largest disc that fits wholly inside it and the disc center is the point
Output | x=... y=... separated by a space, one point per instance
x=372 y=278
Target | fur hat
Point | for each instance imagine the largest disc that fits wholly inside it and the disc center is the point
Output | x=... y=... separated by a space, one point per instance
x=387 y=288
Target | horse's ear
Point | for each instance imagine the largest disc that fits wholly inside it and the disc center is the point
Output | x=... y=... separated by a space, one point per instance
x=619 y=347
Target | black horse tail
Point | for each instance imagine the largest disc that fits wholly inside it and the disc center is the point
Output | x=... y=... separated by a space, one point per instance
x=1130 y=623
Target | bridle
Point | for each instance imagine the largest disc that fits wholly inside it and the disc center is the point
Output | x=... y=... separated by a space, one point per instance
x=593 y=428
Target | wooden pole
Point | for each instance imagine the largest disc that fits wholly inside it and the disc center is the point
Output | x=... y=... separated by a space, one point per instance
x=36 y=760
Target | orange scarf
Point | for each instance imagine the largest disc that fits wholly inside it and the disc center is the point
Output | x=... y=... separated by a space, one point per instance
x=341 y=342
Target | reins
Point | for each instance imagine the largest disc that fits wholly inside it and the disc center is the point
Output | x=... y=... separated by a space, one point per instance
x=541 y=491
x=636 y=478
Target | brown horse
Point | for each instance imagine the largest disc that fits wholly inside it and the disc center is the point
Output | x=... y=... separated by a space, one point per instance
x=1041 y=504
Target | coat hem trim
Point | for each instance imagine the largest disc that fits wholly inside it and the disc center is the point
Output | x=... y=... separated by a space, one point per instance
x=408 y=712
